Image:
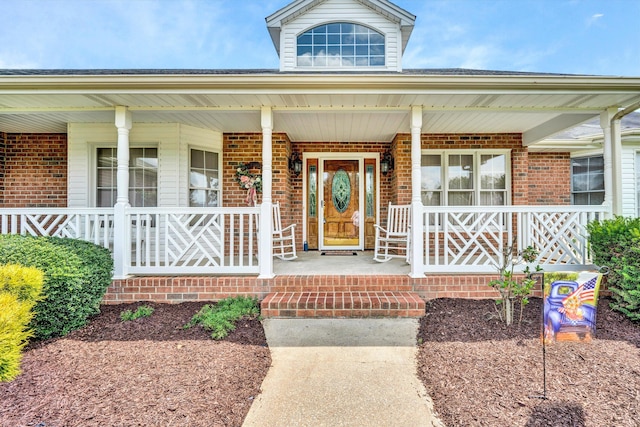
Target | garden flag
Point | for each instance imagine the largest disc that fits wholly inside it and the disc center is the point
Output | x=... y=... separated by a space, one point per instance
x=570 y=302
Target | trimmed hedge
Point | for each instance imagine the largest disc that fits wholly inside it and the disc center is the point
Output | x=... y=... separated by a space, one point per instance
x=77 y=274
x=20 y=289
x=615 y=243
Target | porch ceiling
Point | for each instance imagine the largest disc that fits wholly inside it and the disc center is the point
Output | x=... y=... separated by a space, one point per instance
x=318 y=107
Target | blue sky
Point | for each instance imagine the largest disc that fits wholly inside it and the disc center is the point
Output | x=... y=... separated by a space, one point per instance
x=597 y=37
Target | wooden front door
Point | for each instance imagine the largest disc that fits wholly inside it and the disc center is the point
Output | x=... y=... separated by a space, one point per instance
x=340 y=204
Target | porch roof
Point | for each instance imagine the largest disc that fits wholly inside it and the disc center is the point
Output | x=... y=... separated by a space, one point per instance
x=313 y=106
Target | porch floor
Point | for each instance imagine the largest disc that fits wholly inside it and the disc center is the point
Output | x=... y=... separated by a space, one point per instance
x=314 y=263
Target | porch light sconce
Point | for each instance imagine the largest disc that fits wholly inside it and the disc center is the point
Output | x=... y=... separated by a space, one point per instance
x=386 y=163
x=295 y=163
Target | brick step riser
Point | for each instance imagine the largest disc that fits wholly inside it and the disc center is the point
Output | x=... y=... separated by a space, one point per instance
x=343 y=304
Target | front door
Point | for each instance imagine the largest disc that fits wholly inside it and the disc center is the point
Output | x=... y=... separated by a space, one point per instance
x=340 y=204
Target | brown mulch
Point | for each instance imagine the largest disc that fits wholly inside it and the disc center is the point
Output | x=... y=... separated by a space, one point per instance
x=151 y=372
x=146 y=372
x=481 y=373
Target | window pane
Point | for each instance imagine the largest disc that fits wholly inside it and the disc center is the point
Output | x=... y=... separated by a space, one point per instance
x=197 y=198
x=212 y=198
x=492 y=198
x=197 y=159
x=580 y=199
x=492 y=170
x=596 y=198
x=212 y=180
x=197 y=178
x=106 y=178
x=106 y=157
x=460 y=171
x=431 y=172
x=431 y=198
x=580 y=165
x=333 y=28
x=305 y=38
x=461 y=198
x=580 y=182
x=105 y=198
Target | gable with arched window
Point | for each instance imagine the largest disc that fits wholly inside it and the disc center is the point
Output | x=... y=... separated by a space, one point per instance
x=341 y=45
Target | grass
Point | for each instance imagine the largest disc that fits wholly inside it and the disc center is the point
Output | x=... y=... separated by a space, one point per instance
x=142 y=311
x=221 y=318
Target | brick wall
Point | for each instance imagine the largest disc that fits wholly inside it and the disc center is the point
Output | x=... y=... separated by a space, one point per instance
x=34 y=170
x=549 y=178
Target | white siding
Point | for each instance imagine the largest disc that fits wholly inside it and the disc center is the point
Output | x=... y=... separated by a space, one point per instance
x=629 y=188
x=172 y=140
x=340 y=11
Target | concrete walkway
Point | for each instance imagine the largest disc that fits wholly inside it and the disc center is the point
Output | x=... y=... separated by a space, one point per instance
x=342 y=372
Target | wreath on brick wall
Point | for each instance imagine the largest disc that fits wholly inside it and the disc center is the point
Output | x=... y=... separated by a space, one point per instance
x=249 y=181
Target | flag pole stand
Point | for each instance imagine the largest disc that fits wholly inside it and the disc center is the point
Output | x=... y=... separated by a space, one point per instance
x=544 y=345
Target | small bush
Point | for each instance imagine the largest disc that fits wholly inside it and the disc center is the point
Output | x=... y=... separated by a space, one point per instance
x=20 y=289
x=615 y=243
x=142 y=311
x=220 y=318
x=76 y=276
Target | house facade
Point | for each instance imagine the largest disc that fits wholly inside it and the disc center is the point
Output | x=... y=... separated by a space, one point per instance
x=176 y=171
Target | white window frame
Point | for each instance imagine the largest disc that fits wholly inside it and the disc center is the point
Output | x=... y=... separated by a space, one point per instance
x=220 y=177
x=573 y=192
x=477 y=153
x=93 y=189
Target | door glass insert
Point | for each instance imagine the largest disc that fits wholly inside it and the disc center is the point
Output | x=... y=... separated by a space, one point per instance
x=341 y=190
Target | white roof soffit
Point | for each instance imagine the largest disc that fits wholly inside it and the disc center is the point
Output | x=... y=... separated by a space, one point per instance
x=537 y=106
x=299 y=7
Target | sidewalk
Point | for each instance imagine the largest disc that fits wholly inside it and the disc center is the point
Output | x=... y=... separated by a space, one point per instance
x=341 y=372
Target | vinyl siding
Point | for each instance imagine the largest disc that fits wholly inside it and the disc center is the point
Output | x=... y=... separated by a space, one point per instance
x=629 y=185
x=340 y=11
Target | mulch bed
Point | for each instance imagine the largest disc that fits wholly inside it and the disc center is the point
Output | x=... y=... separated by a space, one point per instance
x=481 y=373
x=151 y=372
x=146 y=372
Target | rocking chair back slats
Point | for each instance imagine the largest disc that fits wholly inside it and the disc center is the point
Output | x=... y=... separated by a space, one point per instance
x=284 y=239
x=393 y=241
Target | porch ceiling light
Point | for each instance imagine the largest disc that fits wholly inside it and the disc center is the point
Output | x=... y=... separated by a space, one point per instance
x=386 y=163
x=295 y=163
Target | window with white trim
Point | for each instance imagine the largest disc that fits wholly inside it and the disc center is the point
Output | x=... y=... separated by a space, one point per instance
x=341 y=44
x=587 y=180
x=143 y=177
x=465 y=178
x=204 y=179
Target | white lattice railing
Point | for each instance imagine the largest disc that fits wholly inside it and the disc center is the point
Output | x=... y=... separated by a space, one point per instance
x=193 y=240
x=157 y=240
x=473 y=239
x=91 y=224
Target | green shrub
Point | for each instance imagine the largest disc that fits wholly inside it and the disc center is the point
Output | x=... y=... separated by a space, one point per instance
x=615 y=243
x=142 y=311
x=220 y=318
x=20 y=289
x=76 y=276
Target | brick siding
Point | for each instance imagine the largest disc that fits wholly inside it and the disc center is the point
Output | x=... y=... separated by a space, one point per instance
x=33 y=171
x=549 y=179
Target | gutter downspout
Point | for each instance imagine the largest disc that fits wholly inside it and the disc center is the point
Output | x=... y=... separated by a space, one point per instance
x=616 y=154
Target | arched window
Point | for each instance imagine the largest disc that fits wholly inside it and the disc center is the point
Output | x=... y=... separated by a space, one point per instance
x=341 y=44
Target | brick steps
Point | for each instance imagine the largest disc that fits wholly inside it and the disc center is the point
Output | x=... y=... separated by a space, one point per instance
x=343 y=304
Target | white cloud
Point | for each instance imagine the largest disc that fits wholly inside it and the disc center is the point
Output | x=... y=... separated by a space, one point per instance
x=593 y=19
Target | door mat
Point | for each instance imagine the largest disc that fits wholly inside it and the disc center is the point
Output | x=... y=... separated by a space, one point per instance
x=339 y=253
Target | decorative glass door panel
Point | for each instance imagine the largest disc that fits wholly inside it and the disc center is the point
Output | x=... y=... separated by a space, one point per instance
x=341 y=203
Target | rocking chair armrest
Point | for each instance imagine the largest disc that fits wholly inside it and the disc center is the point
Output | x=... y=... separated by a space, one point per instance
x=292 y=226
x=381 y=228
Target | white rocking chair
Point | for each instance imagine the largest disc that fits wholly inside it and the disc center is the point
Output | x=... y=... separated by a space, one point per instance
x=284 y=239
x=394 y=241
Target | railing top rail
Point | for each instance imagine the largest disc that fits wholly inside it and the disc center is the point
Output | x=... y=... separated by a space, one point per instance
x=190 y=210
x=68 y=210
x=517 y=209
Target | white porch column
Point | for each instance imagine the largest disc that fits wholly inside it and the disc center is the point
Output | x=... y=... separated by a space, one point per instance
x=607 y=154
x=417 y=232
x=616 y=167
x=266 y=243
x=121 y=253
